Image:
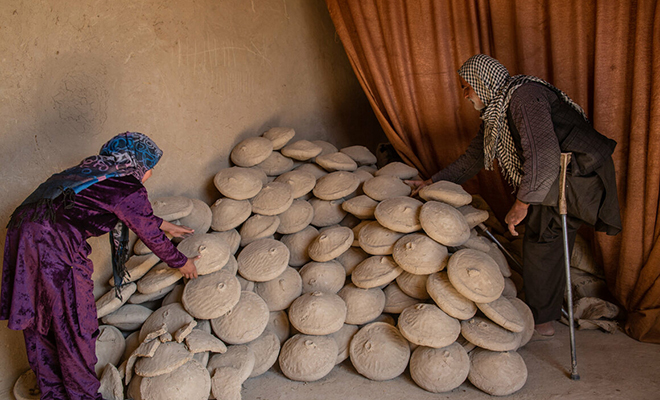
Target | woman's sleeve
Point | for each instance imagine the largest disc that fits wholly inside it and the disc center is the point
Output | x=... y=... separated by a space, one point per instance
x=136 y=212
x=467 y=165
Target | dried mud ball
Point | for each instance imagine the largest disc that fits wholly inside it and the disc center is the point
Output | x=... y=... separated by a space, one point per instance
x=173 y=316
x=326 y=276
x=488 y=335
x=475 y=275
x=336 y=185
x=384 y=187
x=398 y=169
x=318 y=313
x=239 y=183
x=251 y=151
x=274 y=198
x=419 y=254
x=396 y=300
x=214 y=252
x=528 y=317
x=446 y=192
x=258 y=227
x=343 y=338
x=296 y=218
x=308 y=358
x=400 y=214
x=326 y=147
x=499 y=258
x=263 y=260
x=27 y=387
x=168 y=357
x=172 y=208
x=245 y=322
x=497 y=373
x=439 y=370
x=266 y=348
x=301 y=182
x=190 y=381
x=330 y=243
x=110 y=346
x=129 y=317
x=377 y=240
x=379 y=352
x=280 y=136
x=313 y=169
x=336 y=162
x=109 y=302
x=199 y=218
x=351 y=258
x=278 y=322
x=327 y=212
x=301 y=150
x=375 y=271
x=238 y=357
x=413 y=285
x=158 y=278
x=444 y=224
x=211 y=296
x=361 y=206
x=360 y=154
x=427 y=325
x=276 y=164
x=297 y=243
x=503 y=313
x=280 y=292
x=447 y=297
x=473 y=216
x=362 y=305
x=229 y=213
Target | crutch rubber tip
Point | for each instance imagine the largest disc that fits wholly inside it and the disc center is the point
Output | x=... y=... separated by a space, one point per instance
x=575 y=377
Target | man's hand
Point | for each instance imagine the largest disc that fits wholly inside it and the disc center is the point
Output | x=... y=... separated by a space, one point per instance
x=189 y=270
x=516 y=215
x=176 y=230
x=417 y=185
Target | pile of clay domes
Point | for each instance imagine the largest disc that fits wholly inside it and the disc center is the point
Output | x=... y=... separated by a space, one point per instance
x=311 y=256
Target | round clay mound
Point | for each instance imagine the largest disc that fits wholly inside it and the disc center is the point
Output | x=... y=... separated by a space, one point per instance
x=444 y=224
x=510 y=291
x=336 y=162
x=528 y=317
x=263 y=260
x=379 y=352
x=110 y=346
x=190 y=381
x=173 y=316
x=313 y=169
x=400 y=214
x=308 y=358
x=446 y=192
x=245 y=322
x=317 y=313
x=397 y=169
x=497 y=373
x=172 y=208
x=327 y=212
x=296 y=218
x=439 y=370
x=238 y=357
x=301 y=182
x=229 y=213
x=129 y=317
x=326 y=147
x=486 y=334
x=301 y=150
x=356 y=232
x=351 y=258
x=396 y=300
x=361 y=206
x=500 y=259
x=214 y=252
x=363 y=175
x=199 y=218
x=343 y=338
x=298 y=243
x=280 y=136
x=447 y=297
x=258 y=227
x=375 y=271
x=473 y=216
x=27 y=387
x=158 y=277
x=111 y=385
x=212 y=295
x=362 y=305
x=384 y=187
x=503 y=313
x=360 y=154
x=168 y=357
x=109 y=302
x=427 y=325
x=336 y=185
x=326 y=276
x=419 y=254
x=330 y=243
x=476 y=242
x=276 y=164
x=278 y=322
x=475 y=275
x=280 y=292
x=266 y=348
x=378 y=240
x=251 y=151
x=141 y=298
x=274 y=198
x=413 y=285
x=239 y=183
x=231 y=237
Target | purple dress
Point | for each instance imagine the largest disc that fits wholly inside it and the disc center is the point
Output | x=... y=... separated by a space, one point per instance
x=47 y=287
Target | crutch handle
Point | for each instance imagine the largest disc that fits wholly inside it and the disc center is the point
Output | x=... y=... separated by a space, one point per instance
x=565 y=160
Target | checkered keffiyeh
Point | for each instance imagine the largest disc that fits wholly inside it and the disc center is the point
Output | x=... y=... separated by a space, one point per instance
x=494 y=86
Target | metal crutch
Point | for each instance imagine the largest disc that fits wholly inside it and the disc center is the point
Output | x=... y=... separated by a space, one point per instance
x=563 y=210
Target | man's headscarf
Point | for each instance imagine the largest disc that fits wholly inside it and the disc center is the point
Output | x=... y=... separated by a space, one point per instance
x=494 y=86
x=130 y=153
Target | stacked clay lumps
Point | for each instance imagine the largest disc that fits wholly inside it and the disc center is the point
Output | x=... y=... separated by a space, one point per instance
x=312 y=256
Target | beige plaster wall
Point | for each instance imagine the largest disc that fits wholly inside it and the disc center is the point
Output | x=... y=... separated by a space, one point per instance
x=198 y=76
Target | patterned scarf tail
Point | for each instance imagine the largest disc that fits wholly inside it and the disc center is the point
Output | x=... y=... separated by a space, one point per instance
x=119 y=248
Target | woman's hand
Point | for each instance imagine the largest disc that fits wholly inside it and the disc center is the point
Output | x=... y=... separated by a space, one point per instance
x=516 y=215
x=189 y=271
x=176 y=230
x=417 y=185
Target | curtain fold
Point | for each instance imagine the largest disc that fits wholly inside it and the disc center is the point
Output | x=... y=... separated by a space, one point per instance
x=604 y=55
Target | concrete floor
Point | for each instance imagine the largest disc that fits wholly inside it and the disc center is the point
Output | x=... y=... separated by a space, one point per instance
x=611 y=366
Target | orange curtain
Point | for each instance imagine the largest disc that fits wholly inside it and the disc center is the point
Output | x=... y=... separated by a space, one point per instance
x=605 y=55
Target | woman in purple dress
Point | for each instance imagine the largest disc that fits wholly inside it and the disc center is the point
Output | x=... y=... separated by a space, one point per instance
x=47 y=287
